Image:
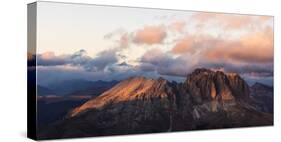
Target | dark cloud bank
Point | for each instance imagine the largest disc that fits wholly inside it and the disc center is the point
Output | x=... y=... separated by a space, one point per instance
x=154 y=63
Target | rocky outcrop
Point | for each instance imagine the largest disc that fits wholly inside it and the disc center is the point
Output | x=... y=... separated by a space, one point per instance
x=207 y=99
x=214 y=92
x=206 y=85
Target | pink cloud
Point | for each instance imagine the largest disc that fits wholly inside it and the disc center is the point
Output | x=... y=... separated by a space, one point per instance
x=229 y=21
x=253 y=47
x=150 y=35
x=48 y=55
x=177 y=26
x=184 y=45
x=153 y=54
x=192 y=43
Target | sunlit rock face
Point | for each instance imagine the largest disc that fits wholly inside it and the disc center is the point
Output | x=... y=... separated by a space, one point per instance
x=139 y=89
x=205 y=85
x=214 y=92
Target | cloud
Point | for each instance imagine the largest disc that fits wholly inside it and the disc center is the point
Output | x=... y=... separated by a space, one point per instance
x=80 y=59
x=50 y=59
x=120 y=37
x=233 y=43
x=114 y=33
x=225 y=20
x=191 y=43
x=229 y=21
x=150 y=35
x=165 y=64
x=153 y=34
x=251 y=55
x=177 y=26
x=50 y=74
x=79 y=54
x=184 y=45
x=256 y=47
x=103 y=59
x=124 y=41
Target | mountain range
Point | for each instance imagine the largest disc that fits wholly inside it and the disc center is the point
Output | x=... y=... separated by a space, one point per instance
x=44 y=91
x=75 y=87
x=205 y=100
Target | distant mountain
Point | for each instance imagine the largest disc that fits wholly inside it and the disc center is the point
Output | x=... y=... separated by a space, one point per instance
x=73 y=87
x=262 y=95
x=44 y=91
x=259 y=88
x=206 y=100
x=97 y=88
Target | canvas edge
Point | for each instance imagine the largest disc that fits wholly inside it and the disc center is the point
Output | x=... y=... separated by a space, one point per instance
x=31 y=74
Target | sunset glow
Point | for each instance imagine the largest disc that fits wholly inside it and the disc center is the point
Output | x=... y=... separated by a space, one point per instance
x=99 y=46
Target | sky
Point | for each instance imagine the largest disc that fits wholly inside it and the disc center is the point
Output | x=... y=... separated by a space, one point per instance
x=79 y=41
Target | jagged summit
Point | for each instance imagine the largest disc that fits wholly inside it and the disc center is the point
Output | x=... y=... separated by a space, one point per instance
x=210 y=71
x=205 y=85
x=201 y=70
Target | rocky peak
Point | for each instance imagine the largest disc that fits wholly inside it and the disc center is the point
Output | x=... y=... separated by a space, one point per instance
x=202 y=71
x=207 y=85
x=161 y=79
x=132 y=89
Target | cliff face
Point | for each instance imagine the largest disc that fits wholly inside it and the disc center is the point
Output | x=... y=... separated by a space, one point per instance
x=207 y=99
x=206 y=85
x=212 y=91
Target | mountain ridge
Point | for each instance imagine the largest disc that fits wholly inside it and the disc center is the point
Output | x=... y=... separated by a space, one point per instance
x=76 y=86
x=207 y=99
x=129 y=89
